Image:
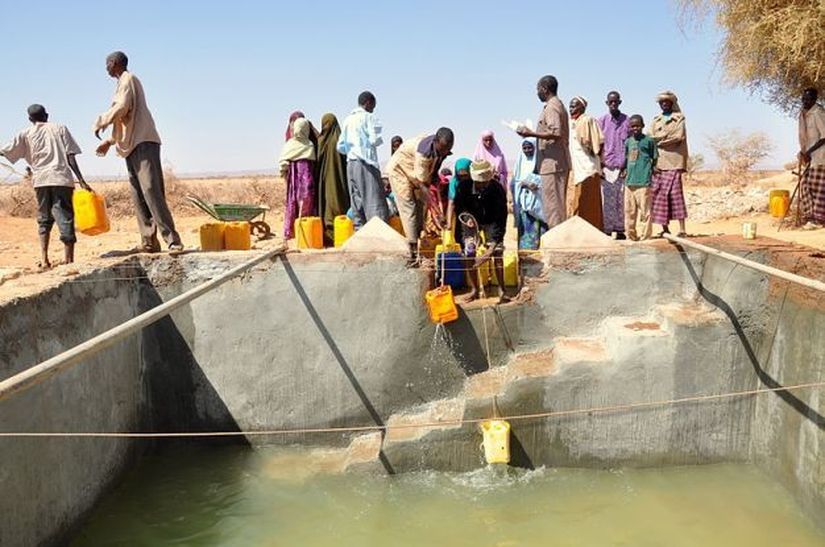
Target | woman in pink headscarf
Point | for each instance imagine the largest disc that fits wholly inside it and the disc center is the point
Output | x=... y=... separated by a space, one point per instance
x=488 y=149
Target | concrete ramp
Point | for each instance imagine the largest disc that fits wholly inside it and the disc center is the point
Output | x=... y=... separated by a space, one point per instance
x=376 y=236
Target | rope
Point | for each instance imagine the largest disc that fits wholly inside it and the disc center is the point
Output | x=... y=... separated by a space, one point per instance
x=422 y=425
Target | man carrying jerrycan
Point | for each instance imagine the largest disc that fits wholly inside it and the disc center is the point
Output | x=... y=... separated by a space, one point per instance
x=50 y=151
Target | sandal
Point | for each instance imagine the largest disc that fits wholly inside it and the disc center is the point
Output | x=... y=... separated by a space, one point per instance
x=43 y=267
x=682 y=234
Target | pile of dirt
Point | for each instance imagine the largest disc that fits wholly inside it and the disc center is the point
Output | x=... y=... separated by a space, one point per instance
x=575 y=234
x=376 y=236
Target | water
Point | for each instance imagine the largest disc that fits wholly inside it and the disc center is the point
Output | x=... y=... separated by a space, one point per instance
x=232 y=496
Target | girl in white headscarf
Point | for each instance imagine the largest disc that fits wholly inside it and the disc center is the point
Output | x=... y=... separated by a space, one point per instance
x=297 y=167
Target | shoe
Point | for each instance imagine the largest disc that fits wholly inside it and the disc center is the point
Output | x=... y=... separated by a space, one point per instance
x=620 y=236
x=682 y=234
x=176 y=247
x=811 y=226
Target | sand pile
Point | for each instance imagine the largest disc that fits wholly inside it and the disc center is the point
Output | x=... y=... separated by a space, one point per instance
x=376 y=236
x=575 y=234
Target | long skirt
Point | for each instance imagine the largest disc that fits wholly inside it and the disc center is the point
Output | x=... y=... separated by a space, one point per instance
x=300 y=195
x=612 y=200
x=587 y=201
x=530 y=230
x=667 y=198
x=812 y=195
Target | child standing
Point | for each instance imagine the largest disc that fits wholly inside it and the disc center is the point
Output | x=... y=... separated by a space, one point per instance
x=641 y=154
x=50 y=150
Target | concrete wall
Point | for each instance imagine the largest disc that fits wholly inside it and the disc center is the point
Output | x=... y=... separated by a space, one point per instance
x=323 y=339
x=47 y=484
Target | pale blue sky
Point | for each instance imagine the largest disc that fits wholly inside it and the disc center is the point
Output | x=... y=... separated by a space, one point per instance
x=222 y=77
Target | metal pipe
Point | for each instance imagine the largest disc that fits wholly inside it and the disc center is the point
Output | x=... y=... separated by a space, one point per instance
x=40 y=372
x=776 y=272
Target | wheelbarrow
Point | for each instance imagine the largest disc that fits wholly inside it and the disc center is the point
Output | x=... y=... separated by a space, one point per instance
x=236 y=212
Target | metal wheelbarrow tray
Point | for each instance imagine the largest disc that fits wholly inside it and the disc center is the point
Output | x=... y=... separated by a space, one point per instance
x=236 y=212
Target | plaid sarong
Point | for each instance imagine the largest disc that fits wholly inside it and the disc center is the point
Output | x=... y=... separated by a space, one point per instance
x=812 y=194
x=667 y=198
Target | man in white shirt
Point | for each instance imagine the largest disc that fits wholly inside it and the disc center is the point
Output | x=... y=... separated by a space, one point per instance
x=50 y=151
x=136 y=139
x=359 y=141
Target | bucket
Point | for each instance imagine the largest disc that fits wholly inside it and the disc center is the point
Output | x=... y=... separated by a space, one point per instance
x=309 y=233
x=779 y=202
x=441 y=304
x=211 y=235
x=343 y=228
x=90 y=216
x=237 y=236
x=749 y=230
x=496 y=443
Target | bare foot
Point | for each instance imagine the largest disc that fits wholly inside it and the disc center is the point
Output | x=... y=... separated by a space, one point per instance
x=469 y=297
x=43 y=266
x=503 y=299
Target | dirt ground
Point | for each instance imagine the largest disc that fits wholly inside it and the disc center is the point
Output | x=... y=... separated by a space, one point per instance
x=715 y=209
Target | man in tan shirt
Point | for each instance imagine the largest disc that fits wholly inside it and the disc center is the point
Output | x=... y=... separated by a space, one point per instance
x=411 y=170
x=667 y=196
x=136 y=139
x=552 y=153
x=812 y=154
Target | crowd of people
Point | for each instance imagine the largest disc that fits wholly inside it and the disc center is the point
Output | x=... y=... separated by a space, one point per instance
x=622 y=180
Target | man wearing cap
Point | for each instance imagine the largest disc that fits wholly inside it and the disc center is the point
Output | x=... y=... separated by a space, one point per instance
x=136 y=139
x=667 y=196
x=50 y=151
x=552 y=156
x=411 y=170
x=485 y=201
x=812 y=155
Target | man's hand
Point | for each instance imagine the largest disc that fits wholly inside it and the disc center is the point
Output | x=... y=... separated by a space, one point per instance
x=804 y=157
x=623 y=174
x=85 y=186
x=103 y=148
x=532 y=186
x=524 y=132
x=657 y=171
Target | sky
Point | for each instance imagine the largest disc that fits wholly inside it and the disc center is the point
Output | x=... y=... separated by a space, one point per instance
x=222 y=77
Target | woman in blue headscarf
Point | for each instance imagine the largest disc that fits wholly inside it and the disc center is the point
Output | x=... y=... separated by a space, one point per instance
x=525 y=187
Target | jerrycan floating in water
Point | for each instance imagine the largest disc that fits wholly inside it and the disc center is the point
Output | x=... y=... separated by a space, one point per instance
x=510 y=270
x=211 y=235
x=343 y=229
x=90 y=216
x=309 y=233
x=441 y=304
x=779 y=201
x=496 y=441
x=237 y=236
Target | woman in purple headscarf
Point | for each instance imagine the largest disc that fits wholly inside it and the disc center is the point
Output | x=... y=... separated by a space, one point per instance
x=489 y=150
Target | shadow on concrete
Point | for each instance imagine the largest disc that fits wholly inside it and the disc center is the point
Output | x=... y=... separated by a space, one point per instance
x=518 y=455
x=794 y=402
x=181 y=397
x=336 y=352
x=465 y=346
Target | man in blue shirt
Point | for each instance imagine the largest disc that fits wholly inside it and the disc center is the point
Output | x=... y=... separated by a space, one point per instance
x=360 y=138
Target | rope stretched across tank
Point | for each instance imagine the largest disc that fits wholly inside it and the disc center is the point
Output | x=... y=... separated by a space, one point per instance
x=422 y=425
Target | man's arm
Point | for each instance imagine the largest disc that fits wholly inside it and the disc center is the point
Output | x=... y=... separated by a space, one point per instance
x=76 y=170
x=121 y=104
x=675 y=135
x=374 y=130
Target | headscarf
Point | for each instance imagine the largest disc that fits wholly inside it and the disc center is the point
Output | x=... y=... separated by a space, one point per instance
x=298 y=147
x=669 y=96
x=523 y=198
x=581 y=100
x=461 y=164
x=331 y=174
x=292 y=117
x=493 y=155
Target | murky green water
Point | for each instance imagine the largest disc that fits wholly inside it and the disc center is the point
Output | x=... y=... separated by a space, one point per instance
x=229 y=496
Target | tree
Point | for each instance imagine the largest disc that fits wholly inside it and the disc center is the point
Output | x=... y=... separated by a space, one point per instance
x=695 y=163
x=739 y=153
x=773 y=48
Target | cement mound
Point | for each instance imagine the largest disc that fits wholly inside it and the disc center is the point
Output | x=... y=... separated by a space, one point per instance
x=576 y=233
x=376 y=236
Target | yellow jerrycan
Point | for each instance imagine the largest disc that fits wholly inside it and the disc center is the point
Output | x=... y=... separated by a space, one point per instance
x=309 y=233
x=441 y=304
x=237 y=236
x=343 y=228
x=496 y=443
x=90 y=216
x=211 y=235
